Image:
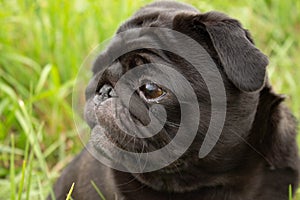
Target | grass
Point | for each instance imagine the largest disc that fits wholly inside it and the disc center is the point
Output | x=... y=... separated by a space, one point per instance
x=98 y=190
x=42 y=45
x=70 y=192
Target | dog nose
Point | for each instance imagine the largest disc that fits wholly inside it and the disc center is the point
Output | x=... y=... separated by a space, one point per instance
x=106 y=90
x=105 y=93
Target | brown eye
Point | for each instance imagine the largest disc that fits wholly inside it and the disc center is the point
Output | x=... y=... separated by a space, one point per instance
x=151 y=91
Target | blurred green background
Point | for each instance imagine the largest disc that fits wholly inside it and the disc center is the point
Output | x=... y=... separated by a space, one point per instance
x=42 y=45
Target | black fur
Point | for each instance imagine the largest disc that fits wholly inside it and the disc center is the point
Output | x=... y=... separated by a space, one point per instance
x=256 y=156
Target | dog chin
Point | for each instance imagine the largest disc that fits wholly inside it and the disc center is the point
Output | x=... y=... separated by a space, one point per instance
x=164 y=179
x=161 y=181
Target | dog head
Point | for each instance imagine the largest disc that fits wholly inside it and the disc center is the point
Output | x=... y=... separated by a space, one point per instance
x=241 y=66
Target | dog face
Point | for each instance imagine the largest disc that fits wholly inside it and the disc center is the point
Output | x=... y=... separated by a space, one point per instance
x=242 y=68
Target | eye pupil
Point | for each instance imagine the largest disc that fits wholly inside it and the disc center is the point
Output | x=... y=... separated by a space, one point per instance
x=151 y=91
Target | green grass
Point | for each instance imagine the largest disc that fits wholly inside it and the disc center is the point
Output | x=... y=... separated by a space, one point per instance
x=70 y=192
x=98 y=190
x=43 y=43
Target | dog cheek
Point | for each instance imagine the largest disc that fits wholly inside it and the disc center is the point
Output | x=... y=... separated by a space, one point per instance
x=90 y=114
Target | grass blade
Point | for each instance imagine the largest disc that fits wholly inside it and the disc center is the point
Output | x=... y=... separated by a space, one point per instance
x=70 y=192
x=12 y=169
x=97 y=190
x=22 y=180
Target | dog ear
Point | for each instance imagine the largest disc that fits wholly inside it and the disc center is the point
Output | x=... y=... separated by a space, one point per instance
x=274 y=131
x=243 y=63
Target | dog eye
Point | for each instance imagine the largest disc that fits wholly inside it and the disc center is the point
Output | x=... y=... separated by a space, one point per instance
x=151 y=91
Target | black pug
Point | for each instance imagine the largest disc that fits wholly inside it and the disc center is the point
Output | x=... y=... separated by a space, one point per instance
x=256 y=156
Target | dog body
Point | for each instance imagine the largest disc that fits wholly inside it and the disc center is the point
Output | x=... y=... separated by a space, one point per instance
x=256 y=156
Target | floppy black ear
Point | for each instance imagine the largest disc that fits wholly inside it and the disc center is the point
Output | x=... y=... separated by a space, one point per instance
x=243 y=63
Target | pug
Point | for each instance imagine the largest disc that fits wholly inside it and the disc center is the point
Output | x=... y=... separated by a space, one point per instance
x=255 y=155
